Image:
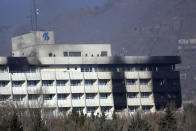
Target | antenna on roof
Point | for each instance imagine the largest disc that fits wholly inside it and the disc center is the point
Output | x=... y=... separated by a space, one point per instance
x=34 y=14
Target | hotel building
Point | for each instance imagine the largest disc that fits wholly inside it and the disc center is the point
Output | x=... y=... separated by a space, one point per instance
x=85 y=77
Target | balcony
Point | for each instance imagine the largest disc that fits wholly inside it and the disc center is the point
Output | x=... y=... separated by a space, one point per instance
x=133 y=101
x=105 y=88
x=104 y=75
x=145 y=74
x=33 y=76
x=147 y=101
x=106 y=102
x=20 y=104
x=34 y=90
x=90 y=75
x=49 y=89
x=77 y=89
x=50 y=103
x=5 y=76
x=132 y=88
x=64 y=103
x=131 y=75
x=35 y=104
x=5 y=90
x=91 y=89
x=48 y=75
x=19 y=90
x=18 y=76
x=76 y=75
x=63 y=89
x=62 y=75
x=78 y=102
x=145 y=88
x=92 y=102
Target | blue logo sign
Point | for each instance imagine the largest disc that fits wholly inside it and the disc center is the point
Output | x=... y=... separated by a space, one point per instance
x=46 y=36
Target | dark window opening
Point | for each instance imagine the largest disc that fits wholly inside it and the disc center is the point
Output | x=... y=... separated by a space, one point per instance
x=74 y=53
x=65 y=53
x=104 y=53
x=50 y=54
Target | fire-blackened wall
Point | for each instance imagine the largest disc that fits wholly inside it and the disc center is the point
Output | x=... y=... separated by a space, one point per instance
x=118 y=85
x=166 y=88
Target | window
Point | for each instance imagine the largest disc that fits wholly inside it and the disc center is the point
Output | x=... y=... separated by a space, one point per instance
x=89 y=82
x=78 y=109
x=90 y=95
x=2 y=69
x=63 y=109
x=159 y=82
x=32 y=83
x=75 y=82
x=173 y=82
x=17 y=83
x=4 y=97
x=18 y=97
x=133 y=108
x=104 y=95
x=146 y=108
x=104 y=53
x=76 y=96
x=61 y=82
x=74 y=53
x=103 y=82
x=48 y=97
x=144 y=81
x=91 y=109
x=131 y=81
x=33 y=97
x=31 y=69
x=132 y=95
x=145 y=94
x=65 y=53
x=47 y=83
x=105 y=109
x=62 y=96
x=50 y=54
x=3 y=83
x=86 y=69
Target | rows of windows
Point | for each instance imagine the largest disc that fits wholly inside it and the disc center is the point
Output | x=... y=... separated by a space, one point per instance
x=33 y=83
x=136 y=108
x=136 y=81
x=92 y=68
x=139 y=95
x=77 y=54
x=74 y=96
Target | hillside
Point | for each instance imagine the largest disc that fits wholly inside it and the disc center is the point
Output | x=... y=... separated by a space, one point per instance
x=133 y=27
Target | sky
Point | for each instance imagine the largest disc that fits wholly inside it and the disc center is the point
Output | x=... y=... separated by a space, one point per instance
x=17 y=12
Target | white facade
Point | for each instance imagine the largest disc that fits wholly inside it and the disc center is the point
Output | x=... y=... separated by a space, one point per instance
x=92 y=84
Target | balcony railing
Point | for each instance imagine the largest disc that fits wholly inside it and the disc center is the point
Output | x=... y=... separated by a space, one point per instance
x=78 y=103
x=5 y=90
x=106 y=102
x=133 y=101
x=92 y=102
x=64 y=103
x=63 y=89
x=19 y=90
x=77 y=89
x=91 y=89
x=50 y=103
x=105 y=88
x=34 y=90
